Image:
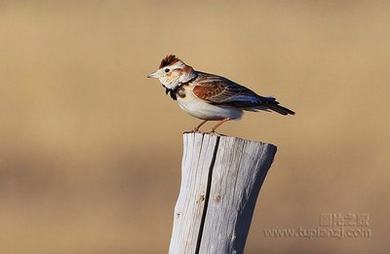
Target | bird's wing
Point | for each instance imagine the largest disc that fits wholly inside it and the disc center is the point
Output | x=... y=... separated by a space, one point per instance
x=221 y=91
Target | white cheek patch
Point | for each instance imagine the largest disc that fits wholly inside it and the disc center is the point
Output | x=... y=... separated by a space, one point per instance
x=169 y=83
x=171 y=79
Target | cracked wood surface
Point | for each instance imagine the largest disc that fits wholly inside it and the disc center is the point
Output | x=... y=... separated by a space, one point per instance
x=221 y=179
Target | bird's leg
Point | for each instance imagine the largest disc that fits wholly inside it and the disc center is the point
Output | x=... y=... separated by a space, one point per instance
x=219 y=124
x=200 y=125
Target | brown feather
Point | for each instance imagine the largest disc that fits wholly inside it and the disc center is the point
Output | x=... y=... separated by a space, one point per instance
x=207 y=91
x=168 y=60
x=219 y=90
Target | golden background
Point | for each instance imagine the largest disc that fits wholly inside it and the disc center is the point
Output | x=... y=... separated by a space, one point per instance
x=90 y=149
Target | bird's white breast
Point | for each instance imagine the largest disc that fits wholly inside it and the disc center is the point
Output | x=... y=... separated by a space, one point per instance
x=204 y=110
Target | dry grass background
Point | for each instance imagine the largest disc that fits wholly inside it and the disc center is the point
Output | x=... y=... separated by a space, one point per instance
x=90 y=149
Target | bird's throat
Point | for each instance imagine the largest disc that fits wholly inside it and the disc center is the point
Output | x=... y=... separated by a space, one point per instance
x=172 y=91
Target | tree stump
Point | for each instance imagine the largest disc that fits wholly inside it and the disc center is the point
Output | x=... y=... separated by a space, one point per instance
x=221 y=179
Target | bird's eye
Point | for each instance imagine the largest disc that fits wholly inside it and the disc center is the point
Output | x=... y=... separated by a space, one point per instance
x=166 y=70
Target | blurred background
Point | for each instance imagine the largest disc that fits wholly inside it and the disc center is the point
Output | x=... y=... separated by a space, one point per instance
x=90 y=149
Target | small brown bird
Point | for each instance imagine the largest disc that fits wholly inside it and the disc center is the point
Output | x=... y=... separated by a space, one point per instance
x=210 y=97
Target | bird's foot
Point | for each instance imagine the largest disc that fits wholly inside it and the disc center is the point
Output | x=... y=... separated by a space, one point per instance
x=195 y=130
x=214 y=132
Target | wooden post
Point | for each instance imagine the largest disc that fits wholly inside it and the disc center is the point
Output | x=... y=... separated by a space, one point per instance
x=221 y=179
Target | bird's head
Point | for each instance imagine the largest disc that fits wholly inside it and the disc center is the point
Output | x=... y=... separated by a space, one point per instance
x=173 y=72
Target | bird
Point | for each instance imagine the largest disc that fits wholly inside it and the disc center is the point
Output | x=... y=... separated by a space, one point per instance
x=210 y=97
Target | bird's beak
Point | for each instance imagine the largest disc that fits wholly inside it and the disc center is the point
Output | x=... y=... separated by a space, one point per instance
x=153 y=75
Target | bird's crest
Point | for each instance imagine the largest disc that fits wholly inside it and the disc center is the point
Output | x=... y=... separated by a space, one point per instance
x=168 y=60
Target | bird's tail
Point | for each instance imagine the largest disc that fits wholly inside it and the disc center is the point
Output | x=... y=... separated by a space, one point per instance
x=281 y=110
x=273 y=105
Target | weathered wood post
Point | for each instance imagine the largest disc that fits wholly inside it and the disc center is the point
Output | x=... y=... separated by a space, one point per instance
x=221 y=179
